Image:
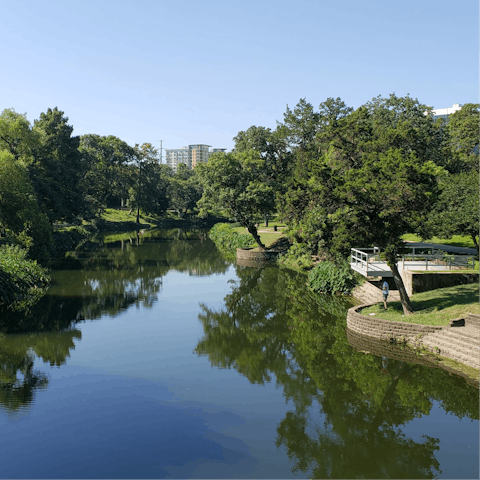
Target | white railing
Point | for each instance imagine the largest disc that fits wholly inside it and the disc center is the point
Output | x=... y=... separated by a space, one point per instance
x=368 y=259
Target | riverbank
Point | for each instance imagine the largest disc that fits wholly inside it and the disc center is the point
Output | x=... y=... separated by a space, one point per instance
x=446 y=324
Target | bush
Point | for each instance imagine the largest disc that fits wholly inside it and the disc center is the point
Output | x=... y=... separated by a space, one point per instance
x=328 y=277
x=228 y=240
x=22 y=281
x=297 y=258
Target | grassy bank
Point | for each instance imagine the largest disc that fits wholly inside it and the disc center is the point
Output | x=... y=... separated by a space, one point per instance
x=436 y=307
x=455 y=241
x=267 y=235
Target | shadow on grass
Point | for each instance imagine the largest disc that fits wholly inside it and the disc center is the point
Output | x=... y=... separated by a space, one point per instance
x=442 y=299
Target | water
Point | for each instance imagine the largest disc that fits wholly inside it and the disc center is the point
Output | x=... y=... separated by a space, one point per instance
x=153 y=357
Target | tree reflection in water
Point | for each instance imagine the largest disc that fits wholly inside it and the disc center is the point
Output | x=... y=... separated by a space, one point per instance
x=100 y=278
x=271 y=326
x=17 y=355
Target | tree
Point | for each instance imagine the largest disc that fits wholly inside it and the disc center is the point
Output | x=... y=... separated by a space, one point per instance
x=372 y=180
x=234 y=182
x=184 y=190
x=19 y=210
x=463 y=142
x=457 y=209
x=16 y=135
x=106 y=162
x=57 y=168
x=149 y=190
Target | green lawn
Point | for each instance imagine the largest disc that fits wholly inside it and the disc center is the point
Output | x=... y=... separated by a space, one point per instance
x=114 y=215
x=436 y=307
x=456 y=240
x=269 y=236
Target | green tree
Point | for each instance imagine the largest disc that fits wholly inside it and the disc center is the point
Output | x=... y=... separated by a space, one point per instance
x=463 y=141
x=457 y=210
x=16 y=135
x=184 y=190
x=20 y=214
x=234 y=182
x=106 y=176
x=57 y=169
x=149 y=189
x=372 y=181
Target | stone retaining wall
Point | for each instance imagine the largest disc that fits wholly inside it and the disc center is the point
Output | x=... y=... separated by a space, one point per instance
x=472 y=319
x=250 y=257
x=381 y=348
x=373 y=326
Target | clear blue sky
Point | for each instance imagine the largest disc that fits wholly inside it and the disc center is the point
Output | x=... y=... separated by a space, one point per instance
x=199 y=71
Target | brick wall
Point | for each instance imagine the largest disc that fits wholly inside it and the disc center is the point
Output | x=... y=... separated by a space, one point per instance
x=381 y=348
x=373 y=326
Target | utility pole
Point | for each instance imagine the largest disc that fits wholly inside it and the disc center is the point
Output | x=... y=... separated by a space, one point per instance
x=161 y=151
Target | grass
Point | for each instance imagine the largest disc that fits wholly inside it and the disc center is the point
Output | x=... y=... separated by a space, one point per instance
x=267 y=234
x=114 y=215
x=456 y=240
x=436 y=307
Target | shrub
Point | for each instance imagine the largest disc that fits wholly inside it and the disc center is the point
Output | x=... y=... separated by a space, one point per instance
x=328 y=277
x=22 y=281
x=228 y=240
x=297 y=258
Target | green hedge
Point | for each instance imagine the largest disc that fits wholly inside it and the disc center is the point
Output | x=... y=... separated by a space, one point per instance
x=227 y=240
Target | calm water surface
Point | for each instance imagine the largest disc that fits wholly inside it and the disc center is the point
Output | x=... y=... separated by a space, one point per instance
x=153 y=357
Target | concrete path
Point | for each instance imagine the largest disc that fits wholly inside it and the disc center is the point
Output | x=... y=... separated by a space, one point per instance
x=446 y=248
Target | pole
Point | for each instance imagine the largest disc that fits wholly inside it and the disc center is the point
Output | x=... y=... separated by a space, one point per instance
x=161 y=150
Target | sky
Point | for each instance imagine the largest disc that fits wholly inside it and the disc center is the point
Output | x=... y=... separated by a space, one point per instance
x=200 y=71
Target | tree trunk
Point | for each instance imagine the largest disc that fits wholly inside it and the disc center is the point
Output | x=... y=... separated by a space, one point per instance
x=474 y=237
x=252 y=229
x=138 y=213
x=406 y=304
x=265 y=217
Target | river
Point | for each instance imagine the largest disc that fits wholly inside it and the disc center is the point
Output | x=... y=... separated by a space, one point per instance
x=153 y=357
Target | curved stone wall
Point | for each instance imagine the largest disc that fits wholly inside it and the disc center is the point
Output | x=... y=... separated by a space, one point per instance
x=381 y=348
x=249 y=257
x=373 y=326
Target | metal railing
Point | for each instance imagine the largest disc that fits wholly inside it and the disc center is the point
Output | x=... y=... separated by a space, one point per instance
x=368 y=259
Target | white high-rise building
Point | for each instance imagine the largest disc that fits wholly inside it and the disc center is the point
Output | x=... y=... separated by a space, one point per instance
x=191 y=156
x=445 y=112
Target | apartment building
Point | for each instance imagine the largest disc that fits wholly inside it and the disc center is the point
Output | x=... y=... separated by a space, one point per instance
x=445 y=112
x=191 y=156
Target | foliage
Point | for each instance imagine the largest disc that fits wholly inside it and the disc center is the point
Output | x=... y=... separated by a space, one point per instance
x=463 y=143
x=457 y=209
x=22 y=281
x=107 y=176
x=16 y=135
x=367 y=180
x=234 y=182
x=20 y=214
x=184 y=190
x=149 y=183
x=328 y=277
x=227 y=240
x=297 y=258
x=57 y=167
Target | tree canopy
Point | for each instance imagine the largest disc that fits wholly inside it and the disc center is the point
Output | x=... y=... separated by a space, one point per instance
x=234 y=182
